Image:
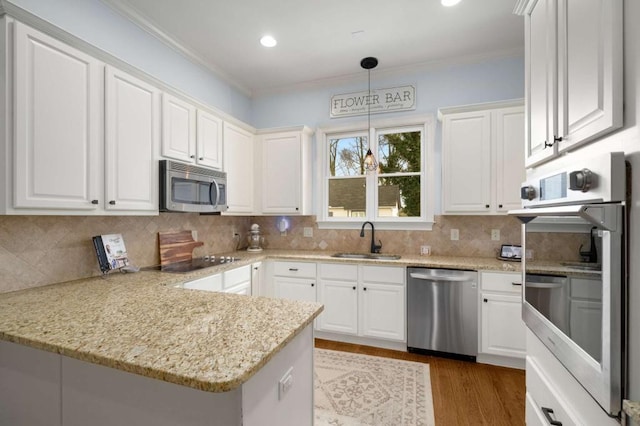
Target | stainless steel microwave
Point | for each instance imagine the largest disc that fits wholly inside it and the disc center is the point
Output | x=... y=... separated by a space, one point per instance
x=187 y=188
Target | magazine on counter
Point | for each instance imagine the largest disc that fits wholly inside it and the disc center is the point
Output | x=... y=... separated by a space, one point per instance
x=111 y=252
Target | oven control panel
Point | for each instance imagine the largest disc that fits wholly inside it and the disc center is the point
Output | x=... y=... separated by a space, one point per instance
x=597 y=179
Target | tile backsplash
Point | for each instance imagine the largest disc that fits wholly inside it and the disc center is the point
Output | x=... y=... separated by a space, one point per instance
x=41 y=250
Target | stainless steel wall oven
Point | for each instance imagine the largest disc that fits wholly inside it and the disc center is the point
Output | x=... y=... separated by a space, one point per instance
x=574 y=271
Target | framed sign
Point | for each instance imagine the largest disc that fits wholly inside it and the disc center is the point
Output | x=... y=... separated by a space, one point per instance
x=402 y=98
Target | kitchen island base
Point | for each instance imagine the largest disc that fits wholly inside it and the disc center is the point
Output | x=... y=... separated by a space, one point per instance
x=44 y=388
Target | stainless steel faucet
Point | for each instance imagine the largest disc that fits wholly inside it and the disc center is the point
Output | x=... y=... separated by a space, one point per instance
x=374 y=248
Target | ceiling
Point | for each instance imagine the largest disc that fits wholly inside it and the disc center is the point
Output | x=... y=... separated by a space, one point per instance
x=324 y=40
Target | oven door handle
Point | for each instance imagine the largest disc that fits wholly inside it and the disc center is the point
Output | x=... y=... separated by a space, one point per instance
x=537 y=284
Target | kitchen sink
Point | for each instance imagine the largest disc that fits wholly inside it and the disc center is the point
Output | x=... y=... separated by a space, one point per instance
x=375 y=256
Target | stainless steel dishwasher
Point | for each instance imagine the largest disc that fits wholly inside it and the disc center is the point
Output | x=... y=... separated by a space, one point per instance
x=442 y=312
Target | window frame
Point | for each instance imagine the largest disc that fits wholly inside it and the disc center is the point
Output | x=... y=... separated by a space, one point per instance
x=423 y=123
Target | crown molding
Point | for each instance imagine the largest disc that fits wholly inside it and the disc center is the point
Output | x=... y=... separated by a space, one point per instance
x=481 y=106
x=389 y=72
x=133 y=15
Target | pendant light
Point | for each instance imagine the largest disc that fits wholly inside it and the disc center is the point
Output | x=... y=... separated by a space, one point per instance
x=370 y=163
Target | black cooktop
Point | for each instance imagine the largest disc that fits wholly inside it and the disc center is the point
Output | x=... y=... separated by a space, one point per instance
x=195 y=264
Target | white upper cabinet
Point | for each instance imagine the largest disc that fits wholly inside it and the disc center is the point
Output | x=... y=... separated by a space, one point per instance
x=508 y=128
x=209 y=140
x=58 y=124
x=482 y=158
x=573 y=67
x=190 y=134
x=238 y=163
x=132 y=134
x=286 y=172
x=178 y=129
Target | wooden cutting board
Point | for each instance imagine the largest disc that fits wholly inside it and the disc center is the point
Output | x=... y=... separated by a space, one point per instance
x=176 y=246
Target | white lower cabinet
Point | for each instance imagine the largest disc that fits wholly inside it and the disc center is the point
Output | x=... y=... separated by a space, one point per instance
x=362 y=300
x=208 y=283
x=502 y=330
x=294 y=280
x=338 y=292
x=553 y=394
x=237 y=280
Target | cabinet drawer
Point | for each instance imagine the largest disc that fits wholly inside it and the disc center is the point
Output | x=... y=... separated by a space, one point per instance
x=295 y=269
x=237 y=276
x=501 y=281
x=383 y=274
x=544 y=398
x=335 y=271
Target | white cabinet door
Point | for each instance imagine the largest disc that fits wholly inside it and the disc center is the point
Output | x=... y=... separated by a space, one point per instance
x=382 y=311
x=209 y=140
x=340 y=300
x=573 y=70
x=208 y=283
x=256 y=280
x=466 y=168
x=238 y=280
x=503 y=331
x=295 y=288
x=541 y=91
x=590 y=70
x=58 y=124
x=178 y=129
x=510 y=172
x=482 y=157
x=281 y=167
x=131 y=143
x=238 y=163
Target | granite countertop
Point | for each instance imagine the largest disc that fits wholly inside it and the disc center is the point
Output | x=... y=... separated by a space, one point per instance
x=632 y=409
x=141 y=324
x=208 y=341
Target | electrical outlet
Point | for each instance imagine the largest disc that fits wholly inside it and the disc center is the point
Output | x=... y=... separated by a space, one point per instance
x=425 y=250
x=455 y=235
x=528 y=254
x=307 y=231
x=285 y=383
x=495 y=234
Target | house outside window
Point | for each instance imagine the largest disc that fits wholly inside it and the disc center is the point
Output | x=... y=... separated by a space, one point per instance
x=398 y=195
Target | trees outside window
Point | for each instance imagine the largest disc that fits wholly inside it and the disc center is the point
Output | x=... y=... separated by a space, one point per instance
x=395 y=193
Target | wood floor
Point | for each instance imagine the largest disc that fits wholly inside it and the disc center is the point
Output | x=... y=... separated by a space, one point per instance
x=464 y=393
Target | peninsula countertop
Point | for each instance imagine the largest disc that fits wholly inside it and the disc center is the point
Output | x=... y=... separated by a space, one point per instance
x=132 y=322
x=141 y=324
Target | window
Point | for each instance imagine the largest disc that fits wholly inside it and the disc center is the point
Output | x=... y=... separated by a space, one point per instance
x=399 y=195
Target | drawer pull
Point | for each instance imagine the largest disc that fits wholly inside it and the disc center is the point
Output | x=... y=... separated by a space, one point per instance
x=516 y=283
x=547 y=413
x=293 y=269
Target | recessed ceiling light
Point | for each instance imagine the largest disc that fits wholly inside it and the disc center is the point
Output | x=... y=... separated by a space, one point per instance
x=268 y=41
x=449 y=3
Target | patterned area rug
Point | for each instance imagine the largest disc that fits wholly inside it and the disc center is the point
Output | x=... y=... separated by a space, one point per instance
x=353 y=389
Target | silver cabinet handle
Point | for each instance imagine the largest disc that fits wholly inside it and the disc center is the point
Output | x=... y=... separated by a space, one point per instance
x=516 y=283
x=293 y=269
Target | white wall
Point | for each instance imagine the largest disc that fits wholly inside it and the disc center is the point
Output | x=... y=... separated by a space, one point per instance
x=101 y=26
x=439 y=86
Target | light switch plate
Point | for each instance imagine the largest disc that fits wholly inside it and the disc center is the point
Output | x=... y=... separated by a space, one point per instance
x=455 y=235
x=495 y=235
